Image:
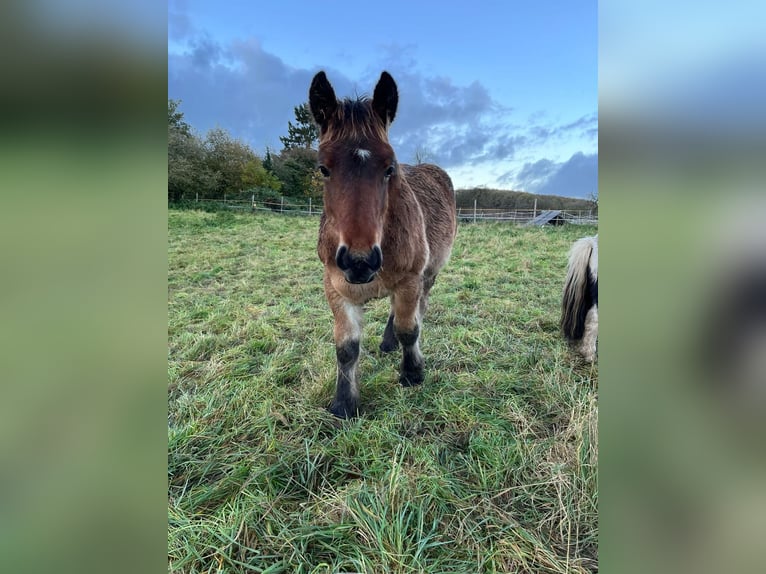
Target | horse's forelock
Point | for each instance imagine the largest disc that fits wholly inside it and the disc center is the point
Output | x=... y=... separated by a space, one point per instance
x=355 y=120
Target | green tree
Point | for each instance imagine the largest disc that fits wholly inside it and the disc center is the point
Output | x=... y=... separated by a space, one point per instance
x=304 y=134
x=188 y=173
x=267 y=162
x=294 y=167
x=176 y=118
x=255 y=174
x=314 y=184
x=228 y=158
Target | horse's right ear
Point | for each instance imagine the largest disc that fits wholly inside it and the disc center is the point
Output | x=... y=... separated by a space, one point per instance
x=322 y=100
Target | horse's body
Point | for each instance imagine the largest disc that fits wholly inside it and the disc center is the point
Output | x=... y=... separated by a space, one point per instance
x=579 y=304
x=386 y=230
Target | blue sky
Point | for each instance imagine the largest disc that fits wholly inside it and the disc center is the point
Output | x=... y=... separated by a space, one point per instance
x=698 y=64
x=500 y=94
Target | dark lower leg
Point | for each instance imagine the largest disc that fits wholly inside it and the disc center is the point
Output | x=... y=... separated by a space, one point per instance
x=346 y=403
x=413 y=366
x=389 y=342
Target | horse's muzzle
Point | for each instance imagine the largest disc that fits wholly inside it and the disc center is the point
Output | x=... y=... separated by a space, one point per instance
x=359 y=268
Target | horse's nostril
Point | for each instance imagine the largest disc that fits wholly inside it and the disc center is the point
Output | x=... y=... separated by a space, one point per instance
x=341 y=258
x=375 y=258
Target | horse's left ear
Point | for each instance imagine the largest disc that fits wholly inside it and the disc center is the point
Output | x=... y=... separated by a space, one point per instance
x=385 y=98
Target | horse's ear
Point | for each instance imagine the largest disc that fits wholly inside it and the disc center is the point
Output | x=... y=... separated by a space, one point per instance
x=385 y=99
x=322 y=100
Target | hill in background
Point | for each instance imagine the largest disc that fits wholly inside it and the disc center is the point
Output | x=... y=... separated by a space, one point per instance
x=504 y=199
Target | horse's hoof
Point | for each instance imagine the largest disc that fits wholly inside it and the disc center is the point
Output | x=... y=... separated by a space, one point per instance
x=411 y=378
x=587 y=353
x=343 y=410
x=389 y=346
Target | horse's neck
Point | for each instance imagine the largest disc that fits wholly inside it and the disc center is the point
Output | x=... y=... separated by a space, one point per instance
x=400 y=198
x=404 y=211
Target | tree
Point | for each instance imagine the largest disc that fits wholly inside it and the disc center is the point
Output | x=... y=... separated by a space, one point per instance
x=593 y=197
x=314 y=184
x=305 y=133
x=267 y=163
x=188 y=173
x=227 y=157
x=293 y=167
x=255 y=174
x=176 y=118
x=422 y=155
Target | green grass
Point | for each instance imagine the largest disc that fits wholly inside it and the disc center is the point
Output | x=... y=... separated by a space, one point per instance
x=489 y=466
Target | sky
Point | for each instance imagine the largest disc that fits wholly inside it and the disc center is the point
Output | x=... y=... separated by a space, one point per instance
x=501 y=94
x=684 y=63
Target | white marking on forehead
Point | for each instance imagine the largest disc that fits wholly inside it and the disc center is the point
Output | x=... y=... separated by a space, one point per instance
x=362 y=154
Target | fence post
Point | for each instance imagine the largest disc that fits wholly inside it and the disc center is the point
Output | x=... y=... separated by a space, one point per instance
x=197 y=200
x=534 y=213
x=252 y=202
x=309 y=206
x=474 y=210
x=282 y=205
x=224 y=199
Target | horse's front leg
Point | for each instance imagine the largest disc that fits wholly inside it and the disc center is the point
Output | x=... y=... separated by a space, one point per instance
x=390 y=342
x=407 y=329
x=347 y=332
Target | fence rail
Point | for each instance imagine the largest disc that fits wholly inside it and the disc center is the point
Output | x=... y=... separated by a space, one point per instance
x=464 y=214
x=522 y=216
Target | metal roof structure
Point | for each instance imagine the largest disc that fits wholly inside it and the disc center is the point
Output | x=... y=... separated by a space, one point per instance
x=552 y=217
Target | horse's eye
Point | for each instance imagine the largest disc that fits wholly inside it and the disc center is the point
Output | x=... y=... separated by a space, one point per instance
x=389 y=171
x=325 y=172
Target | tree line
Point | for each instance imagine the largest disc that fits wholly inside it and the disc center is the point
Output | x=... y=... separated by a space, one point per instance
x=218 y=166
x=485 y=198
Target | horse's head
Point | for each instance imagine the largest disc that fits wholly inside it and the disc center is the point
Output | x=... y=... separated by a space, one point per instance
x=359 y=168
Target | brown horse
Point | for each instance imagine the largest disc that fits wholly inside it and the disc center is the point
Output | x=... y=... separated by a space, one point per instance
x=387 y=229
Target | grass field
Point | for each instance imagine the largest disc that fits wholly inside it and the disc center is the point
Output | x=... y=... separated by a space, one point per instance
x=489 y=466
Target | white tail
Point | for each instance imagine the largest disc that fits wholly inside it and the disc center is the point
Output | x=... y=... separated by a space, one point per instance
x=579 y=304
